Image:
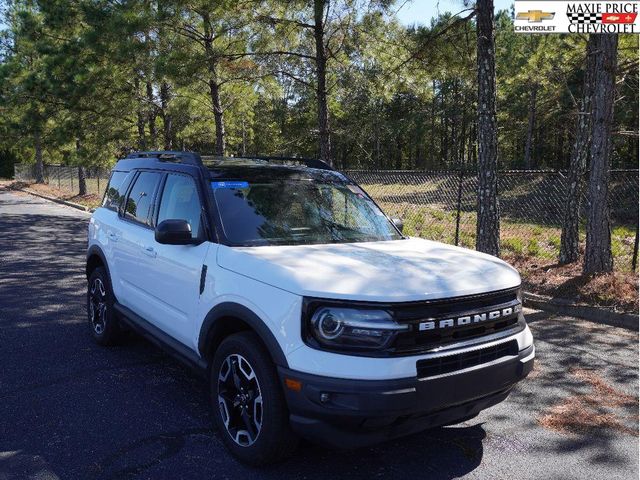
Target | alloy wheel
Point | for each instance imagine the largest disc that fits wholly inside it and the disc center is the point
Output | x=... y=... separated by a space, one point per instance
x=240 y=400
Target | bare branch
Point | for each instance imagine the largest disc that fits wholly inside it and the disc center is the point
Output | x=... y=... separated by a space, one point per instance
x=270 y=53
x=293 y=77
x=284 y=21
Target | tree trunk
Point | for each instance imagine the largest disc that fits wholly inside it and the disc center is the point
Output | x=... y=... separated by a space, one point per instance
x=167 y=121
x=453 y=119
x=377 y=143
x=151 y=116
x=473 y=140
x=243 y=150
x=463 y=129
x=142 y=140
x=82 y=173
x=531 y=127
x=488 y=224
x=82 y=180
x=216 y=103
x=37 y=145
x=598 y=256
x=560 y=147
x=324 y=137
x=569 y=245
x=214 y=86
x=432 y=130
x=398 y=165
x=444 y=128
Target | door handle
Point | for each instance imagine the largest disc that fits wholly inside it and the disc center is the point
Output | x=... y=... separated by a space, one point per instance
x=112 y=236
x=150 y=252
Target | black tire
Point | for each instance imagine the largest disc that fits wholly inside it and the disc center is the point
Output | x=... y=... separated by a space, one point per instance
x=264 y=434
x=101 y=315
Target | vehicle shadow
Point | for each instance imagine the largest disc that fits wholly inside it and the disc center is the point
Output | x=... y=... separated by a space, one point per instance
x=440 y=453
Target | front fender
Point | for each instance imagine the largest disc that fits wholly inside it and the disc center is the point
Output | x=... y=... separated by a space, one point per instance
x=211 y=327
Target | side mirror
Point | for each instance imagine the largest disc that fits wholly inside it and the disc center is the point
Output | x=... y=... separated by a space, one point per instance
x=174 y=232
x=398 y=223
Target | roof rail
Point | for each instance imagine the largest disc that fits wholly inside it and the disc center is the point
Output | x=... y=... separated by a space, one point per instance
x=193 y=158
x=188 y=158
x=308 y=162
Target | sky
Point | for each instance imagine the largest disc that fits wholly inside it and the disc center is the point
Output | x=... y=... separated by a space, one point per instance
x=421 y=11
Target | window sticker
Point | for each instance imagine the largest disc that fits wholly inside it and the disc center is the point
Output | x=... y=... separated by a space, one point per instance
x=357 y=190
x=226 y=184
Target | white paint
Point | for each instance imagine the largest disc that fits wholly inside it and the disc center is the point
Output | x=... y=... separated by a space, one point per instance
x=399 y=270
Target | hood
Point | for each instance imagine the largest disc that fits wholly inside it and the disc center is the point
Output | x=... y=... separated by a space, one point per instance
x=390 y=271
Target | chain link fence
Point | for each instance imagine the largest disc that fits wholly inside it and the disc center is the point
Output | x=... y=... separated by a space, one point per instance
x=441 y=205
x=66 y=178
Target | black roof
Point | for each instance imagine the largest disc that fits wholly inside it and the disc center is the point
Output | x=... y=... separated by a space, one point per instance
x=236 y=168
x=272 y=172
x=216 y=161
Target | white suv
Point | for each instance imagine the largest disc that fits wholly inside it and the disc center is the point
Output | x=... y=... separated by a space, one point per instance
x=307 y=309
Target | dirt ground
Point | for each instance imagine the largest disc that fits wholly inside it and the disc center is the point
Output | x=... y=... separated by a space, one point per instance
x=618 y=290
x=90 y=200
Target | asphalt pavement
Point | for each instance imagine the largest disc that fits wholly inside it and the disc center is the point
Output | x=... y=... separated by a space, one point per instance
x=70 y=409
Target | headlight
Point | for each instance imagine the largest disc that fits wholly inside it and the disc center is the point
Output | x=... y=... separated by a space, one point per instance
x=519 y=295
x=345 y=328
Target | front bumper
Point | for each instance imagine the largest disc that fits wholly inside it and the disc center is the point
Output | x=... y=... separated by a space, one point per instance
x=354 y=413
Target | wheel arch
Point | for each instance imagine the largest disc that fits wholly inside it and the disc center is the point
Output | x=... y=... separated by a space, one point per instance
x=228 y=318
x=96 y=258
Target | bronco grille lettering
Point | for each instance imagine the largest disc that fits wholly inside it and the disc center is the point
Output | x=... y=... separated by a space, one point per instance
x=432 y=323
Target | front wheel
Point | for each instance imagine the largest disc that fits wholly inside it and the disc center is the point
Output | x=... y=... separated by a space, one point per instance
x=248 y=404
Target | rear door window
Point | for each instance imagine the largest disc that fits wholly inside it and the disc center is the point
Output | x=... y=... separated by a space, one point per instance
x=141 y=196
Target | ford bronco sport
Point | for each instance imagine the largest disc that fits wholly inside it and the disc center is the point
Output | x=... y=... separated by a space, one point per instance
x=304 y=305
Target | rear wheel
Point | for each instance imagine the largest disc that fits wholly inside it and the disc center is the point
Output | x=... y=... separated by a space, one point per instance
x=248 y=404
x=102 y=317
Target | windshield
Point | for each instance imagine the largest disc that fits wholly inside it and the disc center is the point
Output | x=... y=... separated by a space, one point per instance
x=296 y=212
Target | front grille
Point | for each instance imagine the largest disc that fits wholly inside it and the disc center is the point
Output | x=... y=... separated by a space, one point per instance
x=416 y=341
x=452 y=363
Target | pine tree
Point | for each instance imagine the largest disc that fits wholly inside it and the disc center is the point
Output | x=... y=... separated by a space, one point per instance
x=598 y=256
x=488 y=226
x=569 y=244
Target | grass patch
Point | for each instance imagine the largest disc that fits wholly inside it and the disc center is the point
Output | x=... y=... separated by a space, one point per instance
x=555 y=242
x=533 y=248
x=515 y=245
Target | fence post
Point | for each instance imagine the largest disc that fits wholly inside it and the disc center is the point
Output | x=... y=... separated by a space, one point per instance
x=97 y=172
x=59 y=184
x=634 y=260
x=458 y=207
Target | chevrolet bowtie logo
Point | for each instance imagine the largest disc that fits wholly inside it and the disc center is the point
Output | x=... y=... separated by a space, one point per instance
x=535 y=16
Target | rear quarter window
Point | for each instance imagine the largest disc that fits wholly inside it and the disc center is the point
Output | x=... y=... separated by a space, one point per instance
x=116 y=189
